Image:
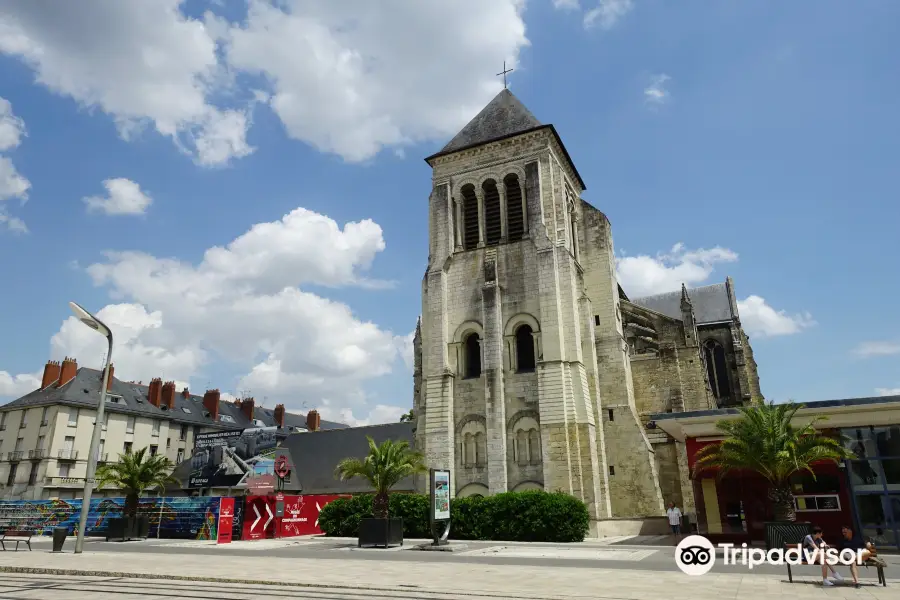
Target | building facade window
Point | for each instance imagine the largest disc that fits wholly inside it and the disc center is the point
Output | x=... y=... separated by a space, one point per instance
x=11 y=477
x=525 y=362
x=472 y=352
x=154 y=450
x=515 y=208
x=129 y=425
x=3 y=420
x=184 y=432
x=73 y=417
x=717 y=370
x=44 y=415
x=492 y=221
x=179 y=457
x=155 y=430
x=65 y=469
x=127 y=447
x=470 y=217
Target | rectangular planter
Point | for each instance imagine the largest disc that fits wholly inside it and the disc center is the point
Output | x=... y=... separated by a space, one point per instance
x=780 y=533
x=142 y=527
x=381 y=532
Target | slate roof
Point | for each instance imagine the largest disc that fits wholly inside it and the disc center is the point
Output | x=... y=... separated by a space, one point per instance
x=505 y=116
x=711 y=303
x=316 y=454
x=84 y=391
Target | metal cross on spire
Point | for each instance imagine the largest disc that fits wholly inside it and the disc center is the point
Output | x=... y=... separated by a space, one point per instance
x=504 y=72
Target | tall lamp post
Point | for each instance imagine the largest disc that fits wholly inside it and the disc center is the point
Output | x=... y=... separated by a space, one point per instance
x=97 y=325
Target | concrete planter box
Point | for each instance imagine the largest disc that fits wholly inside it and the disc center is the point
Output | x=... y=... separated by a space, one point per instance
x=381 y=532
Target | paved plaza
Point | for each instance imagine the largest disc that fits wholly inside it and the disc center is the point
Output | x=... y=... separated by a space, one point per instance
x=317 y=568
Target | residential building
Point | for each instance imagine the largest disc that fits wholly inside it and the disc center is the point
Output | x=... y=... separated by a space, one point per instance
x=45 y=435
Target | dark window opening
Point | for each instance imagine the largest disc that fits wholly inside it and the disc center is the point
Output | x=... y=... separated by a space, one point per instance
x=492 y=226
x=32 y=477
x=470 y=217
x=524 y=349
x=515 y=217
x=597 y=320
x=154 y=450
x=610 y=413
x=612 y=470
x=717 y=370
x=11 y=478
x=473 y=356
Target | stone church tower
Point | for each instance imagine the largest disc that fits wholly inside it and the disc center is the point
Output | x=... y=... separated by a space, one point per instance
x=523 y=354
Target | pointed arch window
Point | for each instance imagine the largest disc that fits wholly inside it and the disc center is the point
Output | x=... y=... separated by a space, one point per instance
x=472 y=347
x=515 y=208
x=524 y=349
x=717 y=370
x=470 y=217
x=492 y=225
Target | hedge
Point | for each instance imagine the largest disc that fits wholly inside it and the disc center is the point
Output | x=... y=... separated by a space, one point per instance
x=532 y=516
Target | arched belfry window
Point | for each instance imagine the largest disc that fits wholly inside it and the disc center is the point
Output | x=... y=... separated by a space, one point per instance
x=515 y=209
x=524 y=349
x=472 y=347
x=470 y=217
x=717 y=370
x=492 y=226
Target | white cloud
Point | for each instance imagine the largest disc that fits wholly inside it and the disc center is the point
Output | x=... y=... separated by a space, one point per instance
x=353 y=77
x=12 y=128
x=607 y=13
x=141 y=62
x=14 y=386
x=12 y=183
x=876 y=348
x=645 y=275
x=656 y=93
x=405 y=346
x=758 y=318
x=566 y=4
x=241 y=304
x=124 y=197
x=888 y=391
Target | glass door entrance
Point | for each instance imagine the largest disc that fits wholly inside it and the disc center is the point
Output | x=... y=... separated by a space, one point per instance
x=875 y=482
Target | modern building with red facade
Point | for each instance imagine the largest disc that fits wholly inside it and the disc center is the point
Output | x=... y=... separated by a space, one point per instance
x=864 y=492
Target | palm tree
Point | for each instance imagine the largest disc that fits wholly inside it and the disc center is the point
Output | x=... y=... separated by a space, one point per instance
x=764 y=440
x=134 y=474
x=407 y=417
x=384 y=467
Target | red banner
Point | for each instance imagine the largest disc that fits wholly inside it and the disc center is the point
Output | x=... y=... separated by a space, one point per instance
x=301 y=515
x=259 y=518
x=226 y=521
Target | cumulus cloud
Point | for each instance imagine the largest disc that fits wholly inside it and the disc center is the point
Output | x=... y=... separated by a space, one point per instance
x=876 y=348
x=124 y=197
x=656 y=93
x=13 y=386
x=349 y=78
x=142 y=63
x=760 y=319
x=888 y=391
x=12 y=183
x=566 y=4
x=645 y=275
x=242 y=305
x=607 y=13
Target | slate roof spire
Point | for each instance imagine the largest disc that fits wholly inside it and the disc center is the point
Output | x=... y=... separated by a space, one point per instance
x=504 y=116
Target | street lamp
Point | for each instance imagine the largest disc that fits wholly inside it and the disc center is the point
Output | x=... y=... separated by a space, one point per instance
x=97 y=325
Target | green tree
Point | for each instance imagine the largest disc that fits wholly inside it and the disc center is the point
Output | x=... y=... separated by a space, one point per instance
x=764 y=440
x=135 y=473
x=384 y=467
x=407 y=417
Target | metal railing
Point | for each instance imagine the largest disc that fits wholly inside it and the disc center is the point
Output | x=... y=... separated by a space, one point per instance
x=102 y=458
x=68 y=455
x=15 y=455
x=38 y=454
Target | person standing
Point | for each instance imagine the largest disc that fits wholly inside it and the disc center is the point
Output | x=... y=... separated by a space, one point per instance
x=674 y=516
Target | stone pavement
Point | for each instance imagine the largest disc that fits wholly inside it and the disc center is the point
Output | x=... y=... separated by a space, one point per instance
x=430 y=579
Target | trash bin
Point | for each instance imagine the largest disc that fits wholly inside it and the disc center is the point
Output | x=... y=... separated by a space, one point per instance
x=59 y=538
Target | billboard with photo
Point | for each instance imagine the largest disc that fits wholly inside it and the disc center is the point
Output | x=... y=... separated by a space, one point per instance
x=222 y=458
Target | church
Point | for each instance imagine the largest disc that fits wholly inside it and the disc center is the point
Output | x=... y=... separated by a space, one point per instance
x=534 y=369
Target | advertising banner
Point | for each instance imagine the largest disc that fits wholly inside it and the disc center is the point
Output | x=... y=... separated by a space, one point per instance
x=441 y=496
x=226 y=521
x=301 y=514
x=220 y=458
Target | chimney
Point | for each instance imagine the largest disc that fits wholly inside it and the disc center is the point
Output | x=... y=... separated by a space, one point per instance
x=247 y=408
x=112 y=373
x=185 y=393
x=155 y=389
x=211 y=403
x=279 y=415
x=168 y=395
x=67 y=371
x=51 y=373
x=313 y=420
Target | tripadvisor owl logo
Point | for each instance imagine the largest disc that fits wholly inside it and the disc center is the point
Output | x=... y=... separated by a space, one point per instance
x=695 y=555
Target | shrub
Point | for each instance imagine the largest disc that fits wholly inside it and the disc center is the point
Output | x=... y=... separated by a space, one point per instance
x=533 y=516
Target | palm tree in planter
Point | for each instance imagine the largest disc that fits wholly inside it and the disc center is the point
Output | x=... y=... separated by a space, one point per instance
x=385 y=466
x=763 y=440
x=135 y=473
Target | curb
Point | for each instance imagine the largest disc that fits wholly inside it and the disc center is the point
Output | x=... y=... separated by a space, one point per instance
x=358 y=588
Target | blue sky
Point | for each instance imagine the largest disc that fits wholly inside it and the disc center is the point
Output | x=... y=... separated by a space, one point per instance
x=239 y=187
